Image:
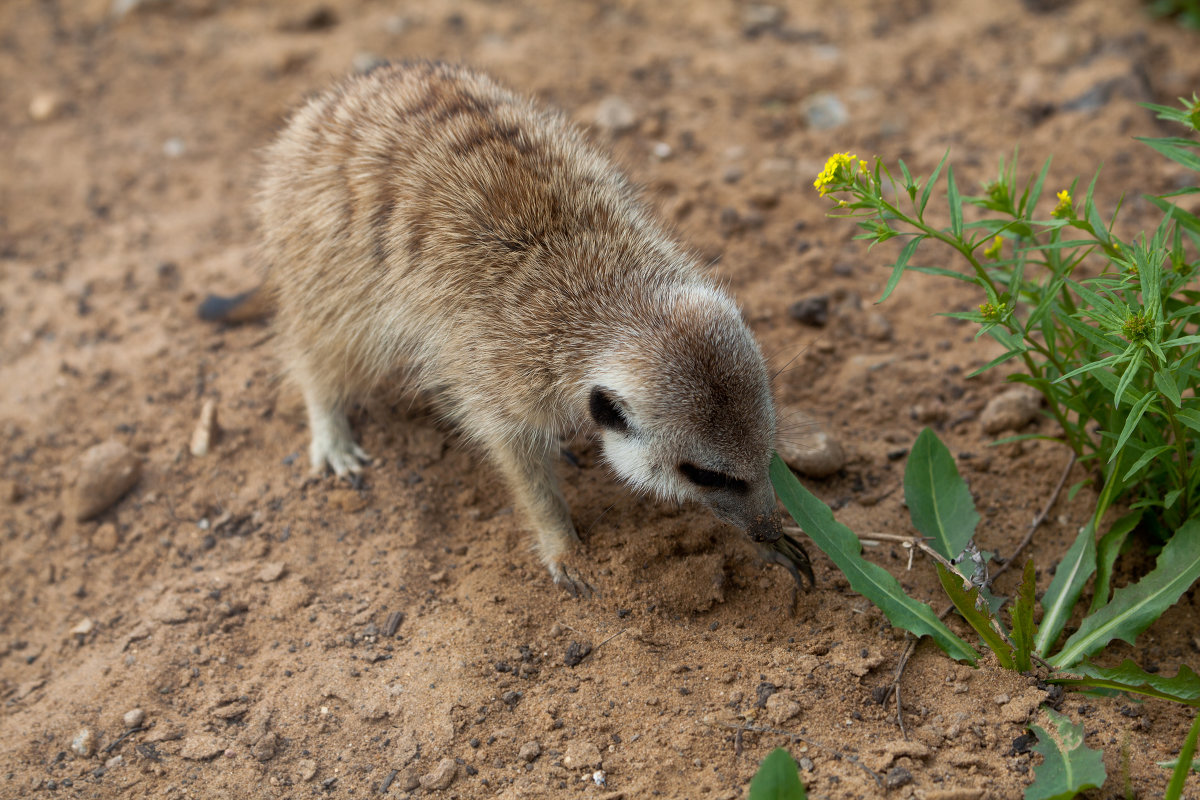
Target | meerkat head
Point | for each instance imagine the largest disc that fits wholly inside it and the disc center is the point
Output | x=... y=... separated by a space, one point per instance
x=684 y=410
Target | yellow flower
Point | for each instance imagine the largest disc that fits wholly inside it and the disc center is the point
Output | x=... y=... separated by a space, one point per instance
x=832 y=172
x=993 y=250
x=990 y=312
x=1064 y=209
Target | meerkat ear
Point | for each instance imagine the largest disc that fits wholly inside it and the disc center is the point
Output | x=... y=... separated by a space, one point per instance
x=606 y=410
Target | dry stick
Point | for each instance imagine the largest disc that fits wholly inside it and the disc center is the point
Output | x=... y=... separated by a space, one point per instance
x=912 y=640
x=795 y=736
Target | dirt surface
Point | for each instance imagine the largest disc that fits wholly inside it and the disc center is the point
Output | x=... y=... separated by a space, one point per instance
x=245 y=608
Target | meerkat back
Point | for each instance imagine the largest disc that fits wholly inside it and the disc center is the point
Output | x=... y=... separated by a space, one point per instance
x=421 y=223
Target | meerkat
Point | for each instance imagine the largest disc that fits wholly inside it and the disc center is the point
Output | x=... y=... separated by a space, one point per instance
x=421 y=222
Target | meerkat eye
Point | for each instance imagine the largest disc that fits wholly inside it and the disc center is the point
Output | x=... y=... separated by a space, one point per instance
x=707 y=479
x=605 y=411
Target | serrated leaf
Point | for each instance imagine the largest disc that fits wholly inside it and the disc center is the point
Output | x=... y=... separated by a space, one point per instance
x=981 y=619
x=1129 y=677
x=939 y=501
x=1073 y=571
x=1069 y=766
x=1184 y=762
x=777 y=778
x=870 y=580
x=1023 y=627
x=1133 y=608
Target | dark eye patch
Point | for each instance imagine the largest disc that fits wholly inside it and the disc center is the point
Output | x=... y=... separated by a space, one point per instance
x=605 y=411
x=708 y=479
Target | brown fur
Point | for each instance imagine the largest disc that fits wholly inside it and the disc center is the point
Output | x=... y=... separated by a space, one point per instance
x=421 y=221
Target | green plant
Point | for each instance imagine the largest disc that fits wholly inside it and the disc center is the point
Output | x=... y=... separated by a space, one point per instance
x=1114 y=354
x=777 y=778
x=941 y=509
x=1068 y=765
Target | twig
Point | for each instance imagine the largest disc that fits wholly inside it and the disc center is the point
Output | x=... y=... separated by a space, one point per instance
x=597 y=647
x=797 y=737
x=1037 y=521
x=123 y=737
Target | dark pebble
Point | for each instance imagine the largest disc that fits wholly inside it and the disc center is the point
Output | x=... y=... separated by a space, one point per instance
x=813 y=311
x=576 y=652
x=764 y=690
x=897 y=777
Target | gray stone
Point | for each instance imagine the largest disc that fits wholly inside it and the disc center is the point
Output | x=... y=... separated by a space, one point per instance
x=825 y=111
x=614 y=115
x=1010 y=410
x=807 y=447
x=441 y=776
x=106 y=472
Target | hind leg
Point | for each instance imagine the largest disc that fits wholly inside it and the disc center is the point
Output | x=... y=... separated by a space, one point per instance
x=332 y=441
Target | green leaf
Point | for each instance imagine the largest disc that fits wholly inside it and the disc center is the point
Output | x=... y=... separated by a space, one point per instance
x=997 y=361
x=1184 y=762
x=868 y=579
x=1133 y=608
x=1178 y=150
x=1145 y=459
x=1129 y=373
x=1189 y=417
x=1073 y=571
x=980 y=618
x=1129 y=677
x=1023 y=627
x=1069 y=766
x=939 y=501
x=930 y=184
x=777 y=778
x=1135 y=415
x=1106 y=555
x=955 y=200
x=898 y=269
x=1166 y=386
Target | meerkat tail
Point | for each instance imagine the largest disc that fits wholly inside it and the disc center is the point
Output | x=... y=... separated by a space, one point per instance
x=248 y=306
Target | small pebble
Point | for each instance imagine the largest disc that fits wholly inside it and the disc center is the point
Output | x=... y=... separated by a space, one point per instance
x=825 y=111
x=271 y=571
x=114 y=762
x=83 y=743
x=45 y=106
x=614 y=115
x=576 y=652
x=306 y=769
x=661 y=150
x=106 y=472
x=206 y=427
x=105 y=539
x=897 y=777
x=581 y=755
x=530 y=751
x=813 y=311
x=84 y=627
x=441 y=776
x=134 y=718
x=807 y=447
x=876 y=327
x=1010 y=410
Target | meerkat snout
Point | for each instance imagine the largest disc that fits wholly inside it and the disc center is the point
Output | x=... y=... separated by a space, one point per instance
x=422 y=223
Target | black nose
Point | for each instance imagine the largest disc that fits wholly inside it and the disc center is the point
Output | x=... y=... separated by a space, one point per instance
x=766 y=528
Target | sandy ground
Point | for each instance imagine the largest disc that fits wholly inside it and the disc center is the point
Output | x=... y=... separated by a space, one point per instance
x=245 y=609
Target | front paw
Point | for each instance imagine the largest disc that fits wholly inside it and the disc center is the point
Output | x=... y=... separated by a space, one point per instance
x=572 y=584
